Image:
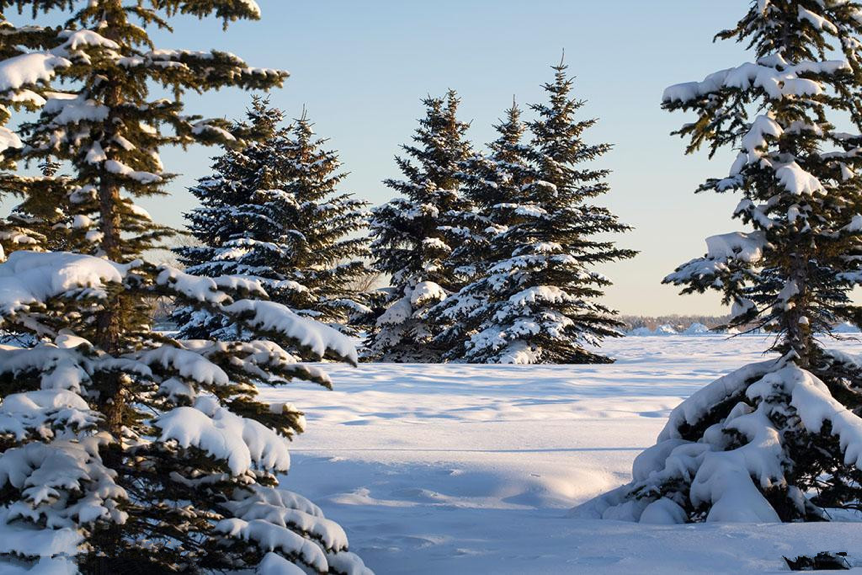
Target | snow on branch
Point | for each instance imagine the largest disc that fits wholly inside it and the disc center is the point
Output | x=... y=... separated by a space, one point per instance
x=264 y=360
x=226 y=436
x=272 y=317
x=287 y=509
x=723 y=251
x=777 y=84
x=64 y=483
x=272 y=537
x=54 y=549
x=41 y=414
x=205 y=289
x=32 y=278
x=29 y=69
x=746 y=247
x=264 y=316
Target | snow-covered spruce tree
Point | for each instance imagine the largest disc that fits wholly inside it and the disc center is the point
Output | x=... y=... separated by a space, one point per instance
x=775 y=440
x=271 y=211
x=494 y=183
x=124 y=449
x=414 y=235
x=536 y=303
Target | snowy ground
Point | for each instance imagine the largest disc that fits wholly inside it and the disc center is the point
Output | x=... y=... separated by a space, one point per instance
x=457 y=469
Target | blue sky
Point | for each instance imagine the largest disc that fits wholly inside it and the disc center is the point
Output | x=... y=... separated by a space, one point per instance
x=362 y=67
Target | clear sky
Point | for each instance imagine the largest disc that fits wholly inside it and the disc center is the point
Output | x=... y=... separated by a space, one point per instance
x=361 y=68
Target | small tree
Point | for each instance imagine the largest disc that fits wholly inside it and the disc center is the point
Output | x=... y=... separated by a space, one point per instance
x=775 y=440
x=413 y=235
x=124 y=448
x=271 y=212
x=536 y=302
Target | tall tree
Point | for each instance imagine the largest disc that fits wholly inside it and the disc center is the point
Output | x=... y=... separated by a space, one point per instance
x=272 y=212
x=494 y=183
x=413 y=235
x=777 y=440
x=537 y=301
x=124 y=449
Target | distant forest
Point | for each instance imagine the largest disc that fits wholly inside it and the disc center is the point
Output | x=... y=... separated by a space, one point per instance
x=678 y=322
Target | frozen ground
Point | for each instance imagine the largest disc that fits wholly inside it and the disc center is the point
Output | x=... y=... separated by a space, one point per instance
x=471 y=469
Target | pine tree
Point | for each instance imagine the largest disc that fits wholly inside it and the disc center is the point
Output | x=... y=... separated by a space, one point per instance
x=414 y=234
x=124 y=449
x=272 y=212
x=494 y=184
x=537 y=301
x=776 y=440
x=330 y=245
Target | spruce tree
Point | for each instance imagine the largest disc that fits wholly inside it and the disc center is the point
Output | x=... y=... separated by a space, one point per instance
x=494 y=183
x=776 y=440
x=536 y=303
x=491 y=183
x=272 y=211
x=124 y=449
x=415 y=234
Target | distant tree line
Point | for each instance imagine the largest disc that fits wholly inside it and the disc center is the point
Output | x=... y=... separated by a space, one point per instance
x=678 y=322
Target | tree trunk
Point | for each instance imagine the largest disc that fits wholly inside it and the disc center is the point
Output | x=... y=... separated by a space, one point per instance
x=109 y=320
x=799 y=331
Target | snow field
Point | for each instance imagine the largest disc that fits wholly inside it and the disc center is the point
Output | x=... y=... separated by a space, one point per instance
x=465 y=468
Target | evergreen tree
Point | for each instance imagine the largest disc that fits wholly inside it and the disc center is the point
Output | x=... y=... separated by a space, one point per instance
x=272 y=212
x=494 y=184
x=776 y=440
x=124 y=449
x=414 y=234
x=536 y=303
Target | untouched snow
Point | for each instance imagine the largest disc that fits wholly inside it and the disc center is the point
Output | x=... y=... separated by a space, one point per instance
x=457 y=468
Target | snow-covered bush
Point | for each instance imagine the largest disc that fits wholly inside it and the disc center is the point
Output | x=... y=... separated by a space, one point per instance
x=754 y=445
x=781 y=439
x=124 y=449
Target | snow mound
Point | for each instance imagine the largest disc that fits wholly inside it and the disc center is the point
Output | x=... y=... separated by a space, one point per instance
x=845 y=327
x=640 y=332
x=696 y=329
